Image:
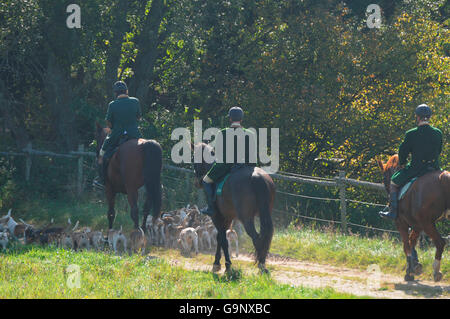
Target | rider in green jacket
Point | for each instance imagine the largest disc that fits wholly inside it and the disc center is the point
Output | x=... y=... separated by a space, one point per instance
x=223 y=166
x=424 y=143
x=122 y=117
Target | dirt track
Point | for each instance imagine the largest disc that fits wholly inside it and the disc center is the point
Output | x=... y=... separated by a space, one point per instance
x=353 y=281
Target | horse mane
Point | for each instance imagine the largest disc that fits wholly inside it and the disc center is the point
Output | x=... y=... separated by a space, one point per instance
x=392 y=162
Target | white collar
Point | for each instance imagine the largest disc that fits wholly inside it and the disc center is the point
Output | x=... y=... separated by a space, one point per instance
x=235 y=124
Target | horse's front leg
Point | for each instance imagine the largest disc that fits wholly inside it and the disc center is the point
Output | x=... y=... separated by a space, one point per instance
x=222 y=239
x=110 y=197
x=216 y=265
x=146 y=210
x=403 y=230
x=417 y=266
x=134 y=212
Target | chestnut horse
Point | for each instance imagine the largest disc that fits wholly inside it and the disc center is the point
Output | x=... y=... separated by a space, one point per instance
x=248 y=192
x=137 y=162
x=427 y=200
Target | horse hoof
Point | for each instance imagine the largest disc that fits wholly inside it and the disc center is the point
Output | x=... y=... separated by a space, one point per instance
x=216 y=268
x=418 y=269
x=263 y=269
x=409 y=277
x=437 y=276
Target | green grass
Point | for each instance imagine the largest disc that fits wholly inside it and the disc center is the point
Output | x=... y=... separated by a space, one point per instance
x=307 y=244
x=333 y=248
x=36 y=272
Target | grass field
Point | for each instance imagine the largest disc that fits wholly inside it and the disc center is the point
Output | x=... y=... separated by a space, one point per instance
x=36 y=272
x=325 y=246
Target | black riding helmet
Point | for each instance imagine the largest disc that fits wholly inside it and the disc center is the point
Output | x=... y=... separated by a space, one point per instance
x=120 y=86
x=423 y=111
x=236 y=114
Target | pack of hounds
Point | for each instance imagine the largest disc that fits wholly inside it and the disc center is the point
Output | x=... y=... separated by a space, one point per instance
x=185 y=229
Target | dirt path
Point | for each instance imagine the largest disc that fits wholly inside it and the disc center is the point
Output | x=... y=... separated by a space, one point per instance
x=347 y=280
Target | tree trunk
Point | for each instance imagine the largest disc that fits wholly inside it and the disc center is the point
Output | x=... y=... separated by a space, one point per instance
x=13 y=123
x=148 y=51
x=59 y=97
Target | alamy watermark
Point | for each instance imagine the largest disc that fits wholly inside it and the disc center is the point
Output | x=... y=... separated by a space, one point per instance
x=74 y=19
x=374 y=17
x=374 y=277
x=257 y=146
x=73 y=276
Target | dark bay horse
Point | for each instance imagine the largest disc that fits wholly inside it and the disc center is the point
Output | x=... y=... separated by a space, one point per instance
x=137 y=162
x=248 y=192
x=427 y=200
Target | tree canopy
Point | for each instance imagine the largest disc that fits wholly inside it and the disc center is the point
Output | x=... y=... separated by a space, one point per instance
x=334 y=87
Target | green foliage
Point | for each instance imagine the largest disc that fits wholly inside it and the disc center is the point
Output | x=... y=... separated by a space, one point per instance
x=8 y=187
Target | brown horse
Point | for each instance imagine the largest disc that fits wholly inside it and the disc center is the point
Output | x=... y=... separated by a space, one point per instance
x=427 y=200
x=137 y=162
x=248 y=192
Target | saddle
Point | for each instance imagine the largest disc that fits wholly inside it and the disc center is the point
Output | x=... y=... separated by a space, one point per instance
x=123 y=138
x=405 y=188
x=408 y=185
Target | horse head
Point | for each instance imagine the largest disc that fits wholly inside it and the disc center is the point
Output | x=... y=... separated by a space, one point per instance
x=100 y=135
x=388 y=169
x=201 y=168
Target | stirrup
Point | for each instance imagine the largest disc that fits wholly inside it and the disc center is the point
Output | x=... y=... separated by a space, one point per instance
x=207 y=211
x=96 y=184
x=388 y=214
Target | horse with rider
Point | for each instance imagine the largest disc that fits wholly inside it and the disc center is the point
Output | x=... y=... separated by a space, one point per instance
x=126 y=161
x=419 y=191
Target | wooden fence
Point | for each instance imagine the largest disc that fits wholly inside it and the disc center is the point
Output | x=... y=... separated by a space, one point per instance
x=340 y=182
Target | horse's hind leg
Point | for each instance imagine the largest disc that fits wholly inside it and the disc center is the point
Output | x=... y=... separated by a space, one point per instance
x=249 y=226
x=134 y=212
x=110 y=196
x=439 y=242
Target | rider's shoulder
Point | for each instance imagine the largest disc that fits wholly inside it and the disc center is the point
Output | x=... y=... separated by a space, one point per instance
x=135 y=99
x=411 y=131
x=436 y=130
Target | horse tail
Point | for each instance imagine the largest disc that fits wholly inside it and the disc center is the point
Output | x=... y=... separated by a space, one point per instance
x=444 y=179
x=264 y=200
x=152 y=174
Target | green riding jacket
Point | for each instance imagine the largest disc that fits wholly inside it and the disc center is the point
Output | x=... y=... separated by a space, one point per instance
x=424 y=143
x=250 y=156
x=123 y=114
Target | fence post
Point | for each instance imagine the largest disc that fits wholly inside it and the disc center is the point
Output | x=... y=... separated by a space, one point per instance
x=80 y=170
x=342 y=185
x=28 y=150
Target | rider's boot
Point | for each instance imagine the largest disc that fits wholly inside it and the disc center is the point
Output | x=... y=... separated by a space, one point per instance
x=393 y=204
x=100 y=180
x=209 y=192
